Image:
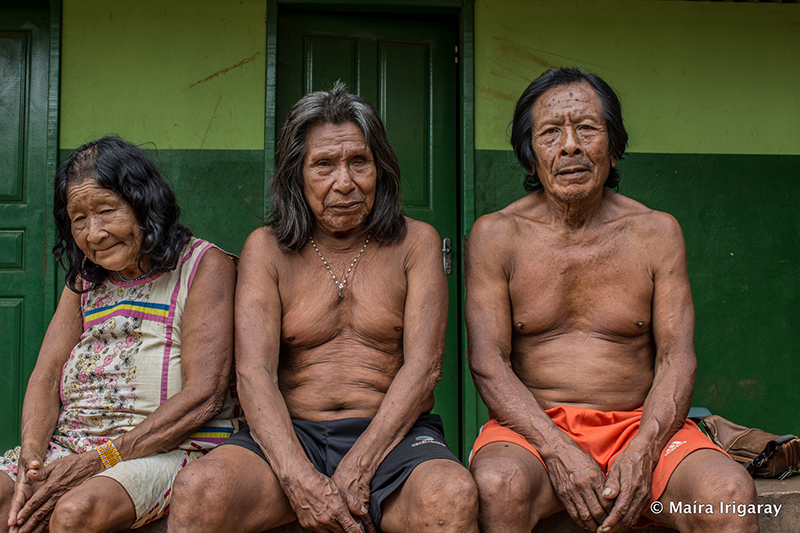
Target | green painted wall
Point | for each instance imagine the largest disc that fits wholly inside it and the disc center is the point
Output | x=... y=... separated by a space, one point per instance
x=742 y=230
x=709 y=94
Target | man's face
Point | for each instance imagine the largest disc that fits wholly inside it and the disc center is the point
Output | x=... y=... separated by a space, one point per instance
x=339 y=177
x=570 y=140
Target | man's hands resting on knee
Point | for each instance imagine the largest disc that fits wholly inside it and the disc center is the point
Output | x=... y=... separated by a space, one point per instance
x=628 y=486
x=578 y=482
x=322 y=505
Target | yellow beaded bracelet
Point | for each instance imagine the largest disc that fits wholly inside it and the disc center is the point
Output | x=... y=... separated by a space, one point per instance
x=108 y=454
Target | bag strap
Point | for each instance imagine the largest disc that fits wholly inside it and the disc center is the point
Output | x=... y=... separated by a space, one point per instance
x=769 y=449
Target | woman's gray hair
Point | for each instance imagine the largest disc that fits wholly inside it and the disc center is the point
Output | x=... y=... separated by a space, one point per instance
x=290 y=216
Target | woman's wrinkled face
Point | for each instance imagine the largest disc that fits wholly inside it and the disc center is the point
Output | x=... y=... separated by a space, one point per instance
x=104 y=227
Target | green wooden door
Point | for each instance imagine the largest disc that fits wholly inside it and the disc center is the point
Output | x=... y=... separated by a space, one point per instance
x=26 y=280
x=404 y=66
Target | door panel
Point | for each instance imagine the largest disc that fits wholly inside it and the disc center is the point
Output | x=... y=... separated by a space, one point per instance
x=405 y=67
x=408 y=117
x=24 y=283
x=13 y=65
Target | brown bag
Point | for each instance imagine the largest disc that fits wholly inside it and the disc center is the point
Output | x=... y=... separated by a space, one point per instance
x=762 y=453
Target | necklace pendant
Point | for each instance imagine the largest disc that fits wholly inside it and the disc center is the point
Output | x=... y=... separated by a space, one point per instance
x=349 y=269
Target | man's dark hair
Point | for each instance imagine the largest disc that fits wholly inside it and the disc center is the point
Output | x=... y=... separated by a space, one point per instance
x=522 y=123
x=290 y=216
x=125 y=170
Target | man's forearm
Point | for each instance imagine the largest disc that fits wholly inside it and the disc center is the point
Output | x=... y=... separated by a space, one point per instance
x=512 y=405
x=270 y=424
x=411 y=389
x=667 y=405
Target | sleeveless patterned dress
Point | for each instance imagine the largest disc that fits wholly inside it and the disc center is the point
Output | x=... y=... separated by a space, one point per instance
x=128 y=362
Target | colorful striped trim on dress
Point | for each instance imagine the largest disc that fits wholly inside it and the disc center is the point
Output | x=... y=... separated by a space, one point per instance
x=214 y=435
x=143 y=310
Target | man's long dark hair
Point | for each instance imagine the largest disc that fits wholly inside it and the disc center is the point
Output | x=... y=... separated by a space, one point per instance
x=125 y=170
x=522 y=123
x=290 y=216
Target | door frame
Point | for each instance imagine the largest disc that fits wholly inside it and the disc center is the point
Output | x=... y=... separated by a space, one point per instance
x=463 y=11
x=53 y=104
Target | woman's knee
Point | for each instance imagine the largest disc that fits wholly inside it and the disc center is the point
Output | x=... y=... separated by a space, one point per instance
x=98 y=505
x=77 y=513
x=6 y=493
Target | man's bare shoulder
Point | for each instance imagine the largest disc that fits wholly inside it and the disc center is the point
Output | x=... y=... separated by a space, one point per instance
x=264 y=240
x=648 y=222
x=261 y=237
x=420 y=231
x=656 y=233
x=421 y=239
x=263 y=251
x=494 y=230
x=526 y=208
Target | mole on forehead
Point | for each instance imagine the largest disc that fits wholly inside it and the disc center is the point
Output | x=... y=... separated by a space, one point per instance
x=560 y=99
x=566 y=93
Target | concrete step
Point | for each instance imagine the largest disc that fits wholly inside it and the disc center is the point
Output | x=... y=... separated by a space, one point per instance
x=785 y=493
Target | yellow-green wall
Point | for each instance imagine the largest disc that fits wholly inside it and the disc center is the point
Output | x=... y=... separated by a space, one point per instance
x=693 y=77
x=184 y=74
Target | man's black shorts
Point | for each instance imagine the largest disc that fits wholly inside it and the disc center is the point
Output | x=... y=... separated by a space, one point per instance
x=326 y=443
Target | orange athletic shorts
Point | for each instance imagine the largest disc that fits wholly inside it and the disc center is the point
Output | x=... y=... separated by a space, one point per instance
x=603 y=435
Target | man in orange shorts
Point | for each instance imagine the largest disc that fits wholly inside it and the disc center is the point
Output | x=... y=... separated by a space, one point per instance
x=581 y=338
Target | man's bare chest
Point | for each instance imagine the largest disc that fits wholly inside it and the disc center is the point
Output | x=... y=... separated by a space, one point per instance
x=370 y=310
x=592 y=288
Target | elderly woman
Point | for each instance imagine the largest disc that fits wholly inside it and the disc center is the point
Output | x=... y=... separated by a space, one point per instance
x=131 y=383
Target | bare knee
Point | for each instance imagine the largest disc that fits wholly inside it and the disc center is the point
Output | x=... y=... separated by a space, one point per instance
x=77 y=514
x=6 y=492
x=196 y=496
x=733 y=494
x=439 y=496
x=723 y=491
x=503 y=488
x=514 y=490
x=499 y=479
x=449 y=493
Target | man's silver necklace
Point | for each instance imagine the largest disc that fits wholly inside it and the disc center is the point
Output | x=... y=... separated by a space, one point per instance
x=349 y=269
